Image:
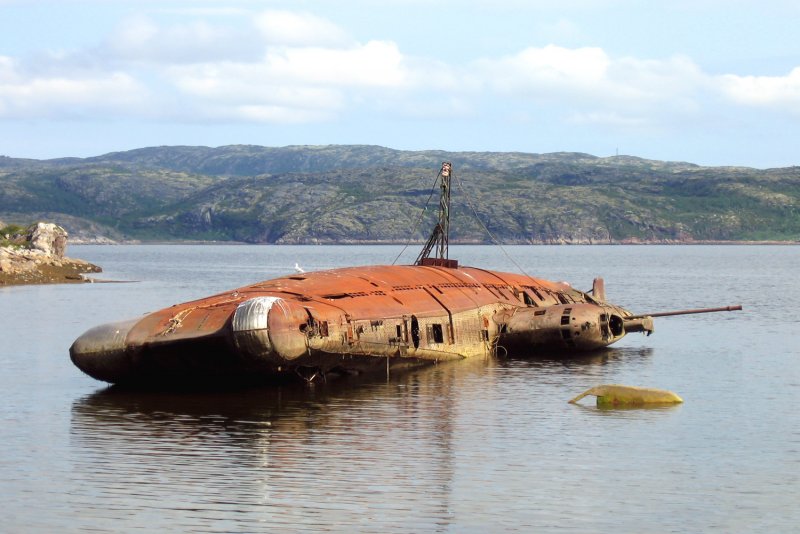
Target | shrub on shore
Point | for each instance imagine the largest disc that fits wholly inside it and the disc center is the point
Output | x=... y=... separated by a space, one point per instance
x=13 y=235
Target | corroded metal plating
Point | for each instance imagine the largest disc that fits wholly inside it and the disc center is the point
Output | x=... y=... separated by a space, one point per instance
x=351 y=318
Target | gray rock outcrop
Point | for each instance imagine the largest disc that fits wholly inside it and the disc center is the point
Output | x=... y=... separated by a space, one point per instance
x=37 y=257
x=50 y=239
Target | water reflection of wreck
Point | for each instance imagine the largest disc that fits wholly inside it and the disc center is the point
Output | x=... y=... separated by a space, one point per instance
x=358 y=318
x=429 y=449
x=292 y=456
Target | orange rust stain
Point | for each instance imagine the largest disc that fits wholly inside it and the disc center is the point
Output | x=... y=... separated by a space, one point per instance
x=354 y=293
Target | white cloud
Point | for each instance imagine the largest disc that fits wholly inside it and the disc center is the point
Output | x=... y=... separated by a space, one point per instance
x=589 y=86
x=297 y=84
x=779 y=92
x=299 y=29
x=674 y=84
x=558 y=72
x=375 y=64
x=547 y=69
x=243 y=93
x=191 y=74
x=140 y=38
x=285 y=66
x=273 y=114
x=135 y=33
x=34 y=97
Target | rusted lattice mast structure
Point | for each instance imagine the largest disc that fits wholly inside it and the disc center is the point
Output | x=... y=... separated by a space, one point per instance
x=440 y=237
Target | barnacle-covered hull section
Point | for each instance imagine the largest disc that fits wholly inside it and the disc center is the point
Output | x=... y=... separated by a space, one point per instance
x=352 y=319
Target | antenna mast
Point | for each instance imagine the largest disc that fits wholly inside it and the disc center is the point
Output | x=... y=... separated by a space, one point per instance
x=440 y=237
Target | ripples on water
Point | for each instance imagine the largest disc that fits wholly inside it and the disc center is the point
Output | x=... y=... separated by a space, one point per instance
x=470 y=446
x=415 y=452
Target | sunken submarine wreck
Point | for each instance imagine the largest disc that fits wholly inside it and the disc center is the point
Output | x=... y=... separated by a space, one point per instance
x=359 y=318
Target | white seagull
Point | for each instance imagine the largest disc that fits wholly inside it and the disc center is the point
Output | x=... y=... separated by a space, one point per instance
x=298 y=268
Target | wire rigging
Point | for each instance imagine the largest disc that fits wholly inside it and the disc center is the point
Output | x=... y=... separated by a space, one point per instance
x=486 y=229
x=419 y=219
x=468 y=198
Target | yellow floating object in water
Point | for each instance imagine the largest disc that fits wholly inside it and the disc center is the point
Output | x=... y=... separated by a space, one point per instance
x=611 y=395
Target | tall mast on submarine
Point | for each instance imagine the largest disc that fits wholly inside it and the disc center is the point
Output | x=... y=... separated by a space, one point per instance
x=440 y=237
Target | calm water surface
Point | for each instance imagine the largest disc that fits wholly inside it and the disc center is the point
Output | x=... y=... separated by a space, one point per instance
x=474 y=446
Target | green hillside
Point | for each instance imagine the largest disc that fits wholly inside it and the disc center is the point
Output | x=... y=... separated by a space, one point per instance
x=345 y=194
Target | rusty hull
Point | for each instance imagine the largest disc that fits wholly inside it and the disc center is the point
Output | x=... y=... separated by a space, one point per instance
x=352 y=319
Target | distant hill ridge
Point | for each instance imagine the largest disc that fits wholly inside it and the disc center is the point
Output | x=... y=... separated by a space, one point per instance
x=371 y=194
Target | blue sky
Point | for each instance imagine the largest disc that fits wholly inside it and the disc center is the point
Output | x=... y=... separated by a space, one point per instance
x=706 y=81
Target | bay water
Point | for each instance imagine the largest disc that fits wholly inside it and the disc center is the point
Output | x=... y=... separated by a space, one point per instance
x=470 y=446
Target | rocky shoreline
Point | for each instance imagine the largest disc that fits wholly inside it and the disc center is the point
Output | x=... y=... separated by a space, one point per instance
x=36 y=256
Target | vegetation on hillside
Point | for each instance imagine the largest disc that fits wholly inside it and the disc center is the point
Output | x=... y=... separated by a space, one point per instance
x=345 y=194
x=12 y=235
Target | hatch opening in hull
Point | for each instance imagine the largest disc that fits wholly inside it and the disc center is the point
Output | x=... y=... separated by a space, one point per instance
x=616 y=324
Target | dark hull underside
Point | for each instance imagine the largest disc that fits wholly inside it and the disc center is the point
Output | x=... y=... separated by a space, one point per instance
x=214 y=361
